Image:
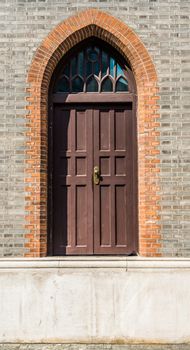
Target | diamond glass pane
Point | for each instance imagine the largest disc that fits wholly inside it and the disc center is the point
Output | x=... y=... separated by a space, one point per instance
x=97 y=50
x=92 y=56
x=97 y=68
x=62 y=85
x=112 y=65
x=74 y=66
x=81 y=64
x=92 y=85
x=107 y=85
x=119 y=70
x=121 y=85
x=77 y=85
x=66 y=70
x=104 y=63
x=88 y=68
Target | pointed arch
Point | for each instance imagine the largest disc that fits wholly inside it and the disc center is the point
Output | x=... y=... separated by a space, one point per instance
x=81 y=26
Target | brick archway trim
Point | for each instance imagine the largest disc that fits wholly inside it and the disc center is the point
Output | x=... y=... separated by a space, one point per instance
x=62 y=38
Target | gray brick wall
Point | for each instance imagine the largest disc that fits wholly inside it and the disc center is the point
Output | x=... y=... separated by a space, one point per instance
x=164 y=27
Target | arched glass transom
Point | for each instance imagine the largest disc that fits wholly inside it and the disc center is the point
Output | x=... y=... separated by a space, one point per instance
x=92 y=69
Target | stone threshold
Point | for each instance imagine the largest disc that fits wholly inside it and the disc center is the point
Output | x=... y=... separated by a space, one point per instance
x=105 y=262
x=17 y=346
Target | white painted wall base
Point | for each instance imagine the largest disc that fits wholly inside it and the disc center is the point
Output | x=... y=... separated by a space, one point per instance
x=95 y=300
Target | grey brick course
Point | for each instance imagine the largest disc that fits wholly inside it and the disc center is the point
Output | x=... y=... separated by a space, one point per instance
x=164 y=27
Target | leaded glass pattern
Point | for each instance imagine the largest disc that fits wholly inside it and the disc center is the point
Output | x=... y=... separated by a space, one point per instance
x=92 y=69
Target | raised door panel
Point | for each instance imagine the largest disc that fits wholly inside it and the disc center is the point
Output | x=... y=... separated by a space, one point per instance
x=72 y=185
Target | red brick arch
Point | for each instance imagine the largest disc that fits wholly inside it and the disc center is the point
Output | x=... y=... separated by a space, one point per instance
x=67 y=34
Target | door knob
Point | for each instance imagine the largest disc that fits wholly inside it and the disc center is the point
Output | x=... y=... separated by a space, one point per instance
x=96 y=175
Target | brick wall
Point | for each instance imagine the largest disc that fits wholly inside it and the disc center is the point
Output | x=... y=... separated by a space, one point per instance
x=164 y=29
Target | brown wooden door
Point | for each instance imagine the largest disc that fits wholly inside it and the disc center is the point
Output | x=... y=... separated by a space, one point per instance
x=72 y=184
x=89 y=218
x=113 y=208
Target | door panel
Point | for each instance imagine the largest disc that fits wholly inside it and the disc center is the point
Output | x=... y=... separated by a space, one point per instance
x=120 y=215
x=113 y=196
x=105 y=215
x=72 y=184
x=89 y=218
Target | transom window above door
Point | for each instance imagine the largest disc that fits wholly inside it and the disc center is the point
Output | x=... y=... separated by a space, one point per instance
x=93 y=69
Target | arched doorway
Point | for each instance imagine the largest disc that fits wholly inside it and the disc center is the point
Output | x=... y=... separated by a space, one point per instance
x=92 y=153
x=59 y=41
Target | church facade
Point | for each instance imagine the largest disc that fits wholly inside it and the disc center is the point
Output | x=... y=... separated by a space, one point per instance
x=95 y=185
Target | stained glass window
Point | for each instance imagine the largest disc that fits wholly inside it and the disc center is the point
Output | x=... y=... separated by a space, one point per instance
x=121 y=84
x=107 y=85
x=92 y=69
x=92 y=85
x=77 y=84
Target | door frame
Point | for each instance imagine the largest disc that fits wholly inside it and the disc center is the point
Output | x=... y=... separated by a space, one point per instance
x=51 y=50
x=87 y=99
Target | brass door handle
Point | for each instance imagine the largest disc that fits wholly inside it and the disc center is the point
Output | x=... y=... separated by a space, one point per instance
x=96 y=175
